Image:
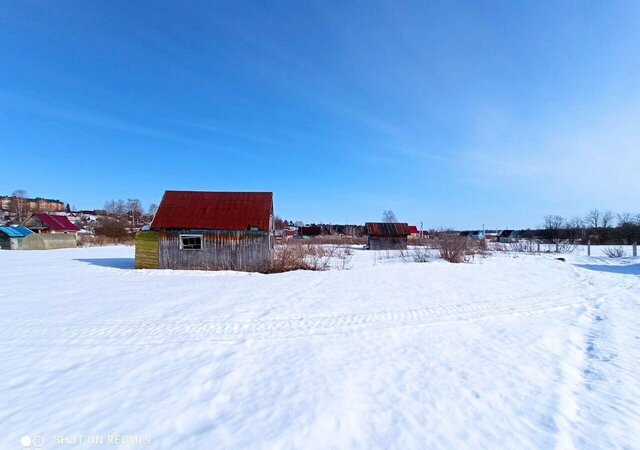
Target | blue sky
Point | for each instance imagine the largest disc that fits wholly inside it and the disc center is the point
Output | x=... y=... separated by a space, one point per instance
x=454 y=113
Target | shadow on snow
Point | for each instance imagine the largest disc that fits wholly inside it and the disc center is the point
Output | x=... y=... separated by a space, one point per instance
x=627 y=269
x=116 y=263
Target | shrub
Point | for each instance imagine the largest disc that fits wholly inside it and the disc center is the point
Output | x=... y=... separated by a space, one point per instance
x=421 y=254
x=453 y=248
x=614 y=252
x=523 y=247
x=342 y=255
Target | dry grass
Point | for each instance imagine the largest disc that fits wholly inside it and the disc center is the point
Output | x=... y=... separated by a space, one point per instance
x=298 y=254
x=332 y=240
x=100 y=241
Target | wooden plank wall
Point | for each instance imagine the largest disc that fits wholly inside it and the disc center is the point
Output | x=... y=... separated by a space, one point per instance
x=223 y=250
x=147 y=250
x=387 y=243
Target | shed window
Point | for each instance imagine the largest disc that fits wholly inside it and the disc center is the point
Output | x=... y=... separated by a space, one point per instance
x=190 y=242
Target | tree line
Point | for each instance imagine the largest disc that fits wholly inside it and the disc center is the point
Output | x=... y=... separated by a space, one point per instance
x=599 y=227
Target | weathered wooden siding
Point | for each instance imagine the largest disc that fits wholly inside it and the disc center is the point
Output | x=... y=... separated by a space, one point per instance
x=147 y=250
x=222 y=250
x=387 y=243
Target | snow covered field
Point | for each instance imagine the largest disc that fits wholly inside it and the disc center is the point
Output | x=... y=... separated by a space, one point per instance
x=508 y=352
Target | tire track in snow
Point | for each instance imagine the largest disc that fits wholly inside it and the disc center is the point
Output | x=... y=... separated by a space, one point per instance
x=162 y=331
x=586 y=387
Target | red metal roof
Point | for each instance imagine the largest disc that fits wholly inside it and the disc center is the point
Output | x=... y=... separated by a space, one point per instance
x=235 y=211
x=56 y=223
x=385 y=229
x=413 y=229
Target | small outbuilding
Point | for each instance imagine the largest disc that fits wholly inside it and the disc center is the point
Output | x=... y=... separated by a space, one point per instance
x=209 y=231
x=43 y=223
x=386 y=236
x=11 y=238
x=476 y=235
x=508 y=236
x=309 y=232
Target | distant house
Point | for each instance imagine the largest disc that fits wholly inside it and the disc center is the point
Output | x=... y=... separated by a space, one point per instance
x=309 y=232
x=508 y=236
x=386 y=236
x=49 y=223
x=477 y=235
x=416 y=233
x=209 y=231
x=21 y=238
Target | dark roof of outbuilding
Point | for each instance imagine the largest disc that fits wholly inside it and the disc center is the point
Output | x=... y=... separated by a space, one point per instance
x=384 y=229
x=233 y=211
x=310 y=231
x=504 y=233
x=56 y=223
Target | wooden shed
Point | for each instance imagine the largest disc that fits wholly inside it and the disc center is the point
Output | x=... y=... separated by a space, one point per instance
x=209 y=231
x=386 y=236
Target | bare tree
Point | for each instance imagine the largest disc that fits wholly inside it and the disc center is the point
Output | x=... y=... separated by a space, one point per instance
x=575 y=228
x=153 y=209
x=115 y=208
x=626 y=219
x=18 y=204
x=607 y=219
x=553 y=225
x=593 y=218
x=135 y=209
x=279 y=224
x=576 y=222
x=388 y=216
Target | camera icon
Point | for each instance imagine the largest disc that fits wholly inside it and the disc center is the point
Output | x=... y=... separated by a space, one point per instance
x=28 y=441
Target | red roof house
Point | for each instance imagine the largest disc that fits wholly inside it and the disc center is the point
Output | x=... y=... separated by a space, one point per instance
x=416 y=232
x=50 y=223
x=232 y=211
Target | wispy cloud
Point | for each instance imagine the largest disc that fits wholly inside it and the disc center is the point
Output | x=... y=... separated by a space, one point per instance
x=94 y=118
x=226 y=131
x=592 y=161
